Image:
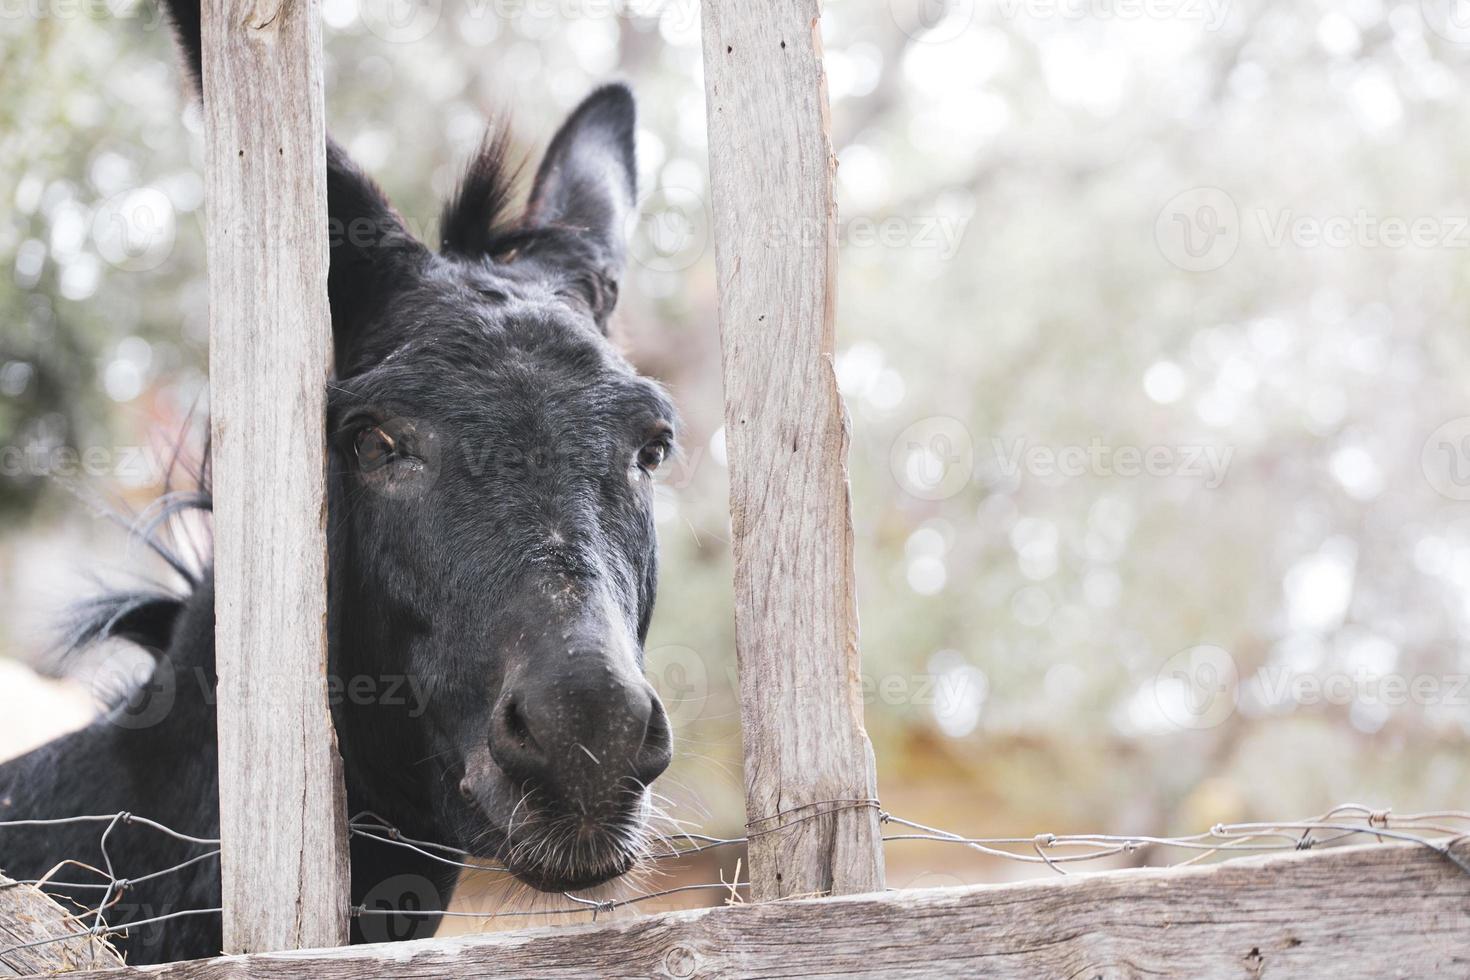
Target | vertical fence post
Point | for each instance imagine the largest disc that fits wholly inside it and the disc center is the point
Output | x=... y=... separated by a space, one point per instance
x=282 y=819
x=810 y=785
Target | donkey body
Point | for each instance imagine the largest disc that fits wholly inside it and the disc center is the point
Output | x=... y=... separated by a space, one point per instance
x=492 y=572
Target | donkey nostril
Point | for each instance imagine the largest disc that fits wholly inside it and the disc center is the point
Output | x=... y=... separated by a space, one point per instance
x=657 y=750
x=578 y=739
x=513 y=746
x=515 y=724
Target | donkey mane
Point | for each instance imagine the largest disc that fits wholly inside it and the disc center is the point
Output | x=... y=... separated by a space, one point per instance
x=144 y=617
x=474 y=220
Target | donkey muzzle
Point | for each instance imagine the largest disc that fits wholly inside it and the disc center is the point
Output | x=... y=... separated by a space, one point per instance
x=585 y=731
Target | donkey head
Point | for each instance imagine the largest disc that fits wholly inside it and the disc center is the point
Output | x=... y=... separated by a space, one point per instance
x=492 y=533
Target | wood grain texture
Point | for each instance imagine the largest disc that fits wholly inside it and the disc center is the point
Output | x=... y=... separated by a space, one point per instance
x=1359 y=913
x=28 y=915
x=283 y=821
x=796 y=626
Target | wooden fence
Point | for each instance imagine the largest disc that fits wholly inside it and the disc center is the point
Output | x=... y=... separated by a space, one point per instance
x=282 y=802
x=1391 y=910
x=811 y=789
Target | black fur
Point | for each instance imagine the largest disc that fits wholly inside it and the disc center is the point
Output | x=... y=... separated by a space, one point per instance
x=474 y=220
x=492 y=567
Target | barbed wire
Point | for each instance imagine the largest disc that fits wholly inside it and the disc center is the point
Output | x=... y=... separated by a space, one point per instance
x=112 y=886
x=1440 y=831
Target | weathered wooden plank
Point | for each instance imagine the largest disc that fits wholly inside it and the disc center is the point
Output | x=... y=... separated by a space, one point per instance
x=786 y=431
x=27 y=916
x=283 y=822
x=1360 y=913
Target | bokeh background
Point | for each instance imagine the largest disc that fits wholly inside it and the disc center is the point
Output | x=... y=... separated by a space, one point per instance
x=1152 y=328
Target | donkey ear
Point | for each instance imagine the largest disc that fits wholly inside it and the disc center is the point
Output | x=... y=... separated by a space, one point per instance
x=371 y=249
x=587 y=184
x=373 y=253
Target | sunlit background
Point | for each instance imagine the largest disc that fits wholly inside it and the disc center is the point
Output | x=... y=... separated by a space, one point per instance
x=1152 y=328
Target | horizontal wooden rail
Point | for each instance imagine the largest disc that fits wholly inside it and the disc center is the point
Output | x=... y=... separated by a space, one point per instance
x=29 y=919
x=1354 y=912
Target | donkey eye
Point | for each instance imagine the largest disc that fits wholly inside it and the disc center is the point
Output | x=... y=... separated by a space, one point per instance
x=651 y=455
x=374 y=448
